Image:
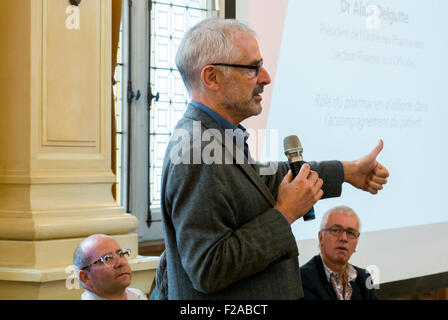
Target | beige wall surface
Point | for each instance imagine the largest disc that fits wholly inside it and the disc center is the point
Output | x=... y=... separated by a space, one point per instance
x=55 y=145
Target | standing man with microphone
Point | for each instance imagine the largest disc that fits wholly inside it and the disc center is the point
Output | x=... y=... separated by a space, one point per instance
x=227 y=228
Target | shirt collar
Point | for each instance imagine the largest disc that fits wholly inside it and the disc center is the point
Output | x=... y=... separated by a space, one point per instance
x=130 y=295
x=89 y=295
x=351 y=271
x=239 y=131
x=220 y=120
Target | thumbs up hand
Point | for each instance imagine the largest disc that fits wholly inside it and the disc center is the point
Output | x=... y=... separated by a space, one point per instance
x=366 y=173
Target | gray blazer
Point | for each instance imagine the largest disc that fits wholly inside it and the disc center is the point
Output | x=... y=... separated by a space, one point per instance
x=224 y=239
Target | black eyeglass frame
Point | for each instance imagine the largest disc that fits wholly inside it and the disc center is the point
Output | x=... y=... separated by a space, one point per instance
x=251 y=67
x=347 y=231
x=120 y=253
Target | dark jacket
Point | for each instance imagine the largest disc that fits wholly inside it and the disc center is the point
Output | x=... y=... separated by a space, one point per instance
x=317 y=287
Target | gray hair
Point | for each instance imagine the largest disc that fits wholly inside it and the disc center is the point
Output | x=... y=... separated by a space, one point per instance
x=209 y=41
x=338 y=210
x=80 y=258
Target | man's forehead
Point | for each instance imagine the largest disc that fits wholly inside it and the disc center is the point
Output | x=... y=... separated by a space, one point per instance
x=344 y=220
x=248 y=46
x=99 y=246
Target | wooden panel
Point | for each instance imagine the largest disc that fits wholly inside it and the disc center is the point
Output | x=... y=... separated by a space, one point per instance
x=151 y=247
x=440 y=294
x=14 y=84
x=71 y=75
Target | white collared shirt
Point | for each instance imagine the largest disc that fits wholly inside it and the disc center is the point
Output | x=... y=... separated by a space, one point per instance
x=131 y=294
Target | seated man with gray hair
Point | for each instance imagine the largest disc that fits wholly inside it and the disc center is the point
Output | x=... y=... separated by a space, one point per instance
x=103 y=270
x=329 y=276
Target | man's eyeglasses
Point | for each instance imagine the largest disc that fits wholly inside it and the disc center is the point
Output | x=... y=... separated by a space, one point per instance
x=337 y=231
x=109 y=259
x=253 y=69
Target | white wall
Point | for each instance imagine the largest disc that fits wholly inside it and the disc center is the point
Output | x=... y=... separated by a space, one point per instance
x=342 y=81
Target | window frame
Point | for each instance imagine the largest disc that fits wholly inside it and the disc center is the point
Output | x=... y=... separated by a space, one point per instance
x=138 y=203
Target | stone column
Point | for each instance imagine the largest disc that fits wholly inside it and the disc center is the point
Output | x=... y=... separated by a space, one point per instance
x=55 y=146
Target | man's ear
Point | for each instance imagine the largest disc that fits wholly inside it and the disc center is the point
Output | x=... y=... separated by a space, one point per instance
x=210 y=78
x=84 y=277
x=320 y=237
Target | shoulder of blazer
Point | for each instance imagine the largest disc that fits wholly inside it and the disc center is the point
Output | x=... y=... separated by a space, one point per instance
x=314 y=269
x=197 y=114
x=361 y=282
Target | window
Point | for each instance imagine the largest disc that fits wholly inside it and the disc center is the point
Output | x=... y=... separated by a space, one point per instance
x=170 y=20
x=147 y=56
x=118 y=103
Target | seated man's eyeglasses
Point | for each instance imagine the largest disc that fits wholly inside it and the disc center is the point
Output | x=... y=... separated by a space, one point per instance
x=337 y=231
x=109 y=259
x=254 y=69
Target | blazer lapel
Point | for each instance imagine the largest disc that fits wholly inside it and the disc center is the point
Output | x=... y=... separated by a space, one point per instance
x=252 y=174
x=323 y=278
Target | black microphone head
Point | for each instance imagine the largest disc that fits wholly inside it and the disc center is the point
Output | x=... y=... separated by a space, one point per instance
x=291 y=143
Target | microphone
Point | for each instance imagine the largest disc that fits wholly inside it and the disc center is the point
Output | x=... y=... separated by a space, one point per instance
x=293 y=150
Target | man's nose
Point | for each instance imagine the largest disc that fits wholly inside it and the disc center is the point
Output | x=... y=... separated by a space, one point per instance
x=263 y=76
x=119 y=261
x=344 y=236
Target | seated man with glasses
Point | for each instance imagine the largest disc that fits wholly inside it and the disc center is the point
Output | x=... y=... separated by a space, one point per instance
x=329 y=276
x=104 y=270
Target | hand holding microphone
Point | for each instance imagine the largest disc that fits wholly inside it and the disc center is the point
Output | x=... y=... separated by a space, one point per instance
x=301 y=187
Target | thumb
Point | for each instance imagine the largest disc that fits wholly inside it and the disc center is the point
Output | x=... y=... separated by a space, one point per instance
x=374 y=153
x=288 y=177
x=304 y=171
